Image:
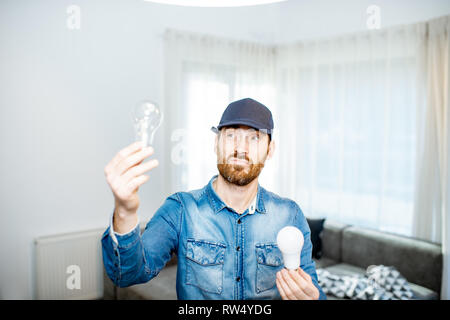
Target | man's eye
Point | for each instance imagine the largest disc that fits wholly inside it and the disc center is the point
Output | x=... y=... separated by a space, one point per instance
x=255 y=138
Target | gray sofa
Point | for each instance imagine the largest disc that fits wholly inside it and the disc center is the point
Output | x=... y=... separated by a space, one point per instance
x=347 y=250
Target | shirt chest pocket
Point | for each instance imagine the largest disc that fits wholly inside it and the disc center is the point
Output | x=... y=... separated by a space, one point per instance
x=269 y=261
x=204 y=265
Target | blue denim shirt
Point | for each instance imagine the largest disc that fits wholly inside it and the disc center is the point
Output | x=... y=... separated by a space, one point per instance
x=221 y=254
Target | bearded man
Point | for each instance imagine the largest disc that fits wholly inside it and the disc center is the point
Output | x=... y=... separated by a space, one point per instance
x=224 y=235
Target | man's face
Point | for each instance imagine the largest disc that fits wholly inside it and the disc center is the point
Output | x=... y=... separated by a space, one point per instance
x=241 y=153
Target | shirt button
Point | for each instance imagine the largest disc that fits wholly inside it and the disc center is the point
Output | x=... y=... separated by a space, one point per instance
x=239 y=221
x=238 y=279
x=238 y=248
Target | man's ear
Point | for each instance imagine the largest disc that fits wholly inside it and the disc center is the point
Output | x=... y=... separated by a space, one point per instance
x=215 y=143
x=271 y=149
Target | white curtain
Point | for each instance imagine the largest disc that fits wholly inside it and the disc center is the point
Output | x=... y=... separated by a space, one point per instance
x=351 y=107
x=432 y=196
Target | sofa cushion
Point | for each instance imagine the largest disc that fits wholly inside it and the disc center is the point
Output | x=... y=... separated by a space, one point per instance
x=344 y=269
x=422 y=293
x=420 y=262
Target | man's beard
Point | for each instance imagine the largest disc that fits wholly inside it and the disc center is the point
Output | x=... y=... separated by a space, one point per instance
x=238 y=174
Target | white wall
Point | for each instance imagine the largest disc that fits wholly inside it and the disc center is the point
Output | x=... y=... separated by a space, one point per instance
x=65 y=98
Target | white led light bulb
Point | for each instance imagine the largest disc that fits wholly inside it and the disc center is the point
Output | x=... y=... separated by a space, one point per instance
x=147 y=118
x=290 y=242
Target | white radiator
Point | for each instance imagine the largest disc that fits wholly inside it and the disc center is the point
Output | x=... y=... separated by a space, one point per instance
x=69 y=266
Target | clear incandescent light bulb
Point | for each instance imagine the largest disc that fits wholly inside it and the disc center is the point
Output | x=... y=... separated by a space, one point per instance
x=147 y=118
x=290 y=242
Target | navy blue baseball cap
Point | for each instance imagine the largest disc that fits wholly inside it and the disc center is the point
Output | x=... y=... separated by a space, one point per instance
x=247 y=112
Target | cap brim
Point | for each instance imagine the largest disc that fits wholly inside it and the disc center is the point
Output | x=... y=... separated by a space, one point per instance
x=214 y=129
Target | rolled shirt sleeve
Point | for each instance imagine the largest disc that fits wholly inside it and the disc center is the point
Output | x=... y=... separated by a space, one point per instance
x=114 y=234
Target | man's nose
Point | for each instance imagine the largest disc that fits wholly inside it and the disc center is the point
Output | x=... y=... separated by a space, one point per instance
x=241 y=144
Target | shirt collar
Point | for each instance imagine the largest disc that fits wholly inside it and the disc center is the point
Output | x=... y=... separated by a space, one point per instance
x=217 y=204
